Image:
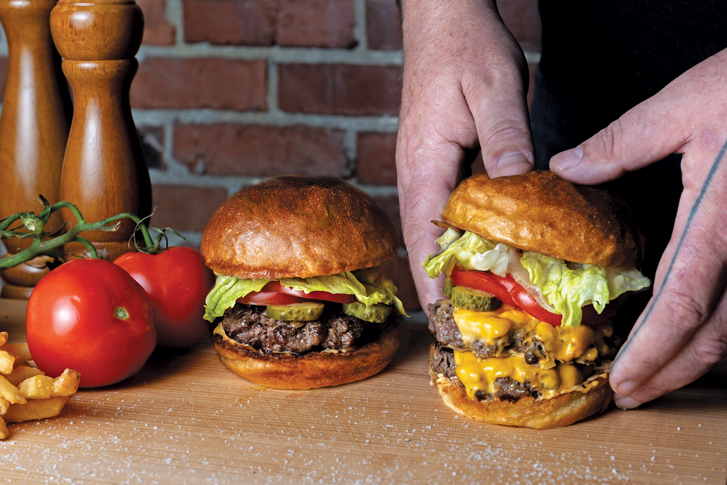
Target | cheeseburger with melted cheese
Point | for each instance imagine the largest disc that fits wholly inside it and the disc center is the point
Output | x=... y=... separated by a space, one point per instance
x=299 y=300
x=534 y=265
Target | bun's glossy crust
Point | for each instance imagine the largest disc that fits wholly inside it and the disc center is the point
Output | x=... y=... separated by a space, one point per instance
x=297 y=226
x=307 y=371
x=550 y=413
x=543 y=213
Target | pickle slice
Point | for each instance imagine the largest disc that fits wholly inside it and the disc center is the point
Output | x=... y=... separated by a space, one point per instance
x=475 y=300
x=296 y=312
x=374 y=313
x=447 y=290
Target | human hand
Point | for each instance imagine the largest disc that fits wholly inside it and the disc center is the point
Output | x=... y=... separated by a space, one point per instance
x=465 y=81
x=682 y=332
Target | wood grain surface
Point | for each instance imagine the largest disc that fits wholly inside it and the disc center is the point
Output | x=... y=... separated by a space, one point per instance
x=186 y=419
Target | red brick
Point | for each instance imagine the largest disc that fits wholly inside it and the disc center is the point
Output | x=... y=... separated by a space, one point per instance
x=3 y=75
x=340 y=89
x=236 y=22
x=523 y=19
x=227 y=84
x=185 y=208
x=152 y=144
x=302 y=23
x=383 y=25
x=375 y=158
x=400 y=273
x=316 y=23
x=390 y=204
x=260 y=151
x=157 y=31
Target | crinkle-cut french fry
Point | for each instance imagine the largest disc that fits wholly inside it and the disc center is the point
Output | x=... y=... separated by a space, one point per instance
x=35 y=409
x=9 y=392
x=4 y=433
x=66 y=383
x=3 y=338
x=4 y=405
x=36 y=387
x=20 y=351
x=22 y=372
x=7 y=361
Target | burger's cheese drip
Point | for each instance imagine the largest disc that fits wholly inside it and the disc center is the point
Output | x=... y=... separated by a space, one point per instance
x=493 y=328
x=480 y=374
x=564 y=344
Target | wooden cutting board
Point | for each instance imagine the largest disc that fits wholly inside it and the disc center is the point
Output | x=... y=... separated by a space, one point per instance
x=186 y=419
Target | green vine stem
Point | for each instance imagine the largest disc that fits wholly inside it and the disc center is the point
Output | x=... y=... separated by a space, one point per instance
x=49 y=244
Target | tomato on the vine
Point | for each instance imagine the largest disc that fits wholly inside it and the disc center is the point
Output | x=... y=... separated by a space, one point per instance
x=91 y=316
x=177 y=282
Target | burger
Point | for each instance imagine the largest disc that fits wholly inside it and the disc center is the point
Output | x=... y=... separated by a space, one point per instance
x=534 y=266
x=299 y=298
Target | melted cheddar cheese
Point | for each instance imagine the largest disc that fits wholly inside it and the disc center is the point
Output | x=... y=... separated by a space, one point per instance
x=555 y=374
x=480 y=374
x=564 y=344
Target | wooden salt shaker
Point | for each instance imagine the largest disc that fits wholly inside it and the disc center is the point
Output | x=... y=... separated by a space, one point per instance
x=104 y=172
x=33 y=129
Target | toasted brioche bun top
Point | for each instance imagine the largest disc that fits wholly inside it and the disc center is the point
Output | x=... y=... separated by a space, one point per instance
x=297 y=226
x=546 y=214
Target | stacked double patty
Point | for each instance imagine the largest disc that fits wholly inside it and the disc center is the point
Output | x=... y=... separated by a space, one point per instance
x=519 y=342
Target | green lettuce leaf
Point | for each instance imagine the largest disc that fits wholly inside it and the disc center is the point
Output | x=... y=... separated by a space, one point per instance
x=368 y=287
x=470 y=251
x=567 y=290
x=226 y=291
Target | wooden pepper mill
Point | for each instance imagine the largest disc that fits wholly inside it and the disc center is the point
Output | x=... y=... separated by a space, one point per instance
x=33 y=129
x=104 y=172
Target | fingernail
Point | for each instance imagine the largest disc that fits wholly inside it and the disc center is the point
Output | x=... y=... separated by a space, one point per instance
x=626 y=388
x=568 y=159
x=513 y=160
x=626 y=402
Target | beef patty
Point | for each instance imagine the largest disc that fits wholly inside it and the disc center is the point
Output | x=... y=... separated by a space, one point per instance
x=506 y=389
x=444 y=328
x=250 y=325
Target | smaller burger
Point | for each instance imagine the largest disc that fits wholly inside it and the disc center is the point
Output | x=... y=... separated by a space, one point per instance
x=299 y=299
x=534 y=267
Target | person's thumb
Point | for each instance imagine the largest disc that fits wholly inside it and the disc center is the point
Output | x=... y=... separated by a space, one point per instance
x=503 y=127
x=643 y=135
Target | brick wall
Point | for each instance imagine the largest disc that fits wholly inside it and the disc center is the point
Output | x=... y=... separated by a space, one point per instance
x=230 y=92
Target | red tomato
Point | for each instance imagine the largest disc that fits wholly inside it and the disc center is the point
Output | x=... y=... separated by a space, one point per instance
x=313 y=295
x=91 y=316
x=269 y=298
x=177 y=282
x=506 y=290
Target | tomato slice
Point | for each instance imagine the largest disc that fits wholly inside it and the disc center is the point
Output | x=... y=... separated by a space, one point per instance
x=313 y=295
x=506 y=290
x=276 y=294
x=269 y=298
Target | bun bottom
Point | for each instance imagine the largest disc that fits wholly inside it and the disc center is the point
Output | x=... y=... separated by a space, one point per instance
x=307 y=371
x=548 y=413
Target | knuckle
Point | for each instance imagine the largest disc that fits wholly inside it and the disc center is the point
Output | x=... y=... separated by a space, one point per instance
x=609 y=140
x=685 y=309
x=505 y=136
x=710 y=351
